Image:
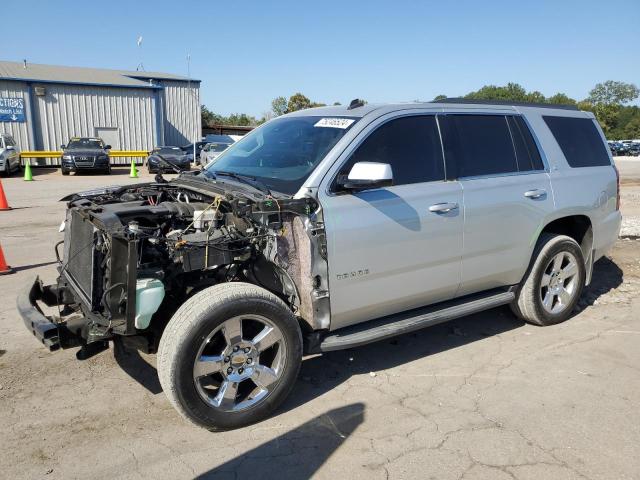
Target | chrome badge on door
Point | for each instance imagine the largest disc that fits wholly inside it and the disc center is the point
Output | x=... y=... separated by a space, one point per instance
x=354 y=274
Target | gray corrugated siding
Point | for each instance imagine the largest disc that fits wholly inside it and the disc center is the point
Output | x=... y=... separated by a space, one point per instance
x=182 y=112
x=66 y=111
x=73 y=111
x=19 y=131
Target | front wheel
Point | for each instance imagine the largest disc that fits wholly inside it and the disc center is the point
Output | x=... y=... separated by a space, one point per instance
x=229 y=356
x=554 y=282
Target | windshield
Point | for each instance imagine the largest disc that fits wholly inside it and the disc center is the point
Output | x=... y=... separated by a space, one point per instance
x=283 y=152
x=168 y=151
x=85 y=143
x=218 y=147
x=189 y=148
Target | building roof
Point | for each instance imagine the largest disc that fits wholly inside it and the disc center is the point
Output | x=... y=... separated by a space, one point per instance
x=36 y=72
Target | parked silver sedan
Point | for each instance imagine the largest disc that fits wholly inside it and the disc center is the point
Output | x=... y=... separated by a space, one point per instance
x=211 y=151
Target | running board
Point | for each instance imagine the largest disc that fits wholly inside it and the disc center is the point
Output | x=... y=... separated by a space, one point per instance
x=405 y=322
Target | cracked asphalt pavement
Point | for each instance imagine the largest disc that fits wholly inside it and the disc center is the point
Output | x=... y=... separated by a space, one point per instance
x=482 y=397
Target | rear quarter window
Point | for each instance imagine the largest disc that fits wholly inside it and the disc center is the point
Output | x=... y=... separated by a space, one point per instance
x=481 y=144
x=579 y=140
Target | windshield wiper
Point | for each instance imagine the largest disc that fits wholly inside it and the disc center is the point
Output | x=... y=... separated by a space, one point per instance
x=251 y=181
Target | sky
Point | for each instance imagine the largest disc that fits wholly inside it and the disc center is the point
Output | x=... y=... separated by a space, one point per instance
x=247 y=53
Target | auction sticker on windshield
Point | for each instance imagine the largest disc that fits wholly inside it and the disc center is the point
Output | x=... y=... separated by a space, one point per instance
x=334 y=122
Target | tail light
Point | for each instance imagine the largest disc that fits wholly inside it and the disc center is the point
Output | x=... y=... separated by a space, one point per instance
x=617 y=187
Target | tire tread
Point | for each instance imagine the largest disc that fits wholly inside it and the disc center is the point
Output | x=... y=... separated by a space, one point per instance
x=526 y=304
x=186 y=318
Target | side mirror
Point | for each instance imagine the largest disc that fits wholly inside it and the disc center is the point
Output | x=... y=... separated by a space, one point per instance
x=107 y=147
x=10 y=147
x=63 y=146
x=368 y=175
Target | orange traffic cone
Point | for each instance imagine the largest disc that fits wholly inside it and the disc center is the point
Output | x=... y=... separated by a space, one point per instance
x=4 y=268
x=3 y=200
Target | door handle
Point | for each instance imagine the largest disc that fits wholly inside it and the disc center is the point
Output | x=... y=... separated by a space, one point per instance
x=443 y=207
x=536 y=193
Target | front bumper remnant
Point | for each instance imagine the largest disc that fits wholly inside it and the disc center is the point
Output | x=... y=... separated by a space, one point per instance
x=42 y=326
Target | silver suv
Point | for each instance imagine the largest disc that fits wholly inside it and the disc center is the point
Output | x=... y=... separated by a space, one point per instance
x=328 y=229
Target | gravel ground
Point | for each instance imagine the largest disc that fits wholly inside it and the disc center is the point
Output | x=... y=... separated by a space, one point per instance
x=483 y=397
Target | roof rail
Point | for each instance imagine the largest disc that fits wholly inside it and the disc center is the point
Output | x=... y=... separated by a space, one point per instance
x=470 y=101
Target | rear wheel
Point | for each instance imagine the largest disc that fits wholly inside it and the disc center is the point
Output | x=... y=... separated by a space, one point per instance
x=230 y=355
x=554 y=282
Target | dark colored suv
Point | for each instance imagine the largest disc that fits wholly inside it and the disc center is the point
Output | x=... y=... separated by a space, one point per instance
x=85 y=154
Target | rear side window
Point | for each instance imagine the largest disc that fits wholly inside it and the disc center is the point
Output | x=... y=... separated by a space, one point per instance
x=579 y=141
x=480 y=144
x=527 y=151
x=411 y=145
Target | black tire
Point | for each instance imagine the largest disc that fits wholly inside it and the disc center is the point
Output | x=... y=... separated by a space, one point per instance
x=528 y=304
x=64 y=171
x=108 y=170
x=192 y=325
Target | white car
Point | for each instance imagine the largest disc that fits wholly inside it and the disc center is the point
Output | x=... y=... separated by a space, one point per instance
x=9 y=155
x=211 y=151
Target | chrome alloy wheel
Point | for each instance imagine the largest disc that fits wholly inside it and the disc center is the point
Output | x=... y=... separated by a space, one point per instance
x=559 y=282
x=239 y=363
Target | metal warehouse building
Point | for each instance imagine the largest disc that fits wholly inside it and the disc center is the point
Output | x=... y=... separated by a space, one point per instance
x=43 y=106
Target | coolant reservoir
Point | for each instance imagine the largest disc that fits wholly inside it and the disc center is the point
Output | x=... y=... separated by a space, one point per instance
x=149 y=295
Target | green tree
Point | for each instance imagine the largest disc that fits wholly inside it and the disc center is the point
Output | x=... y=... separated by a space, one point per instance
x=510 y=92
x=240 y=119
x=208 y=117
x=297 y=102
x=439 y=97
x=608 y=99
x=279 y=106
x=612 y=92
x=535 y=97
x=632 y=129
x=561 y=99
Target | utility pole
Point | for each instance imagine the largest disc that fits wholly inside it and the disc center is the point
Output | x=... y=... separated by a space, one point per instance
x=140 y=66
x=195 y=126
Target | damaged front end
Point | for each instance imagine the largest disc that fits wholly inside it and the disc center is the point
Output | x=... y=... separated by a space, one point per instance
x=132 y=255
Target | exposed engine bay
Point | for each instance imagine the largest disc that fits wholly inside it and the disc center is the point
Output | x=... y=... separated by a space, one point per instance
x=136 y=252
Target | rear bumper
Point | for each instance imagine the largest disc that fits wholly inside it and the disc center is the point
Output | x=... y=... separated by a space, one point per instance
x=41 y=326
x=607 y=234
